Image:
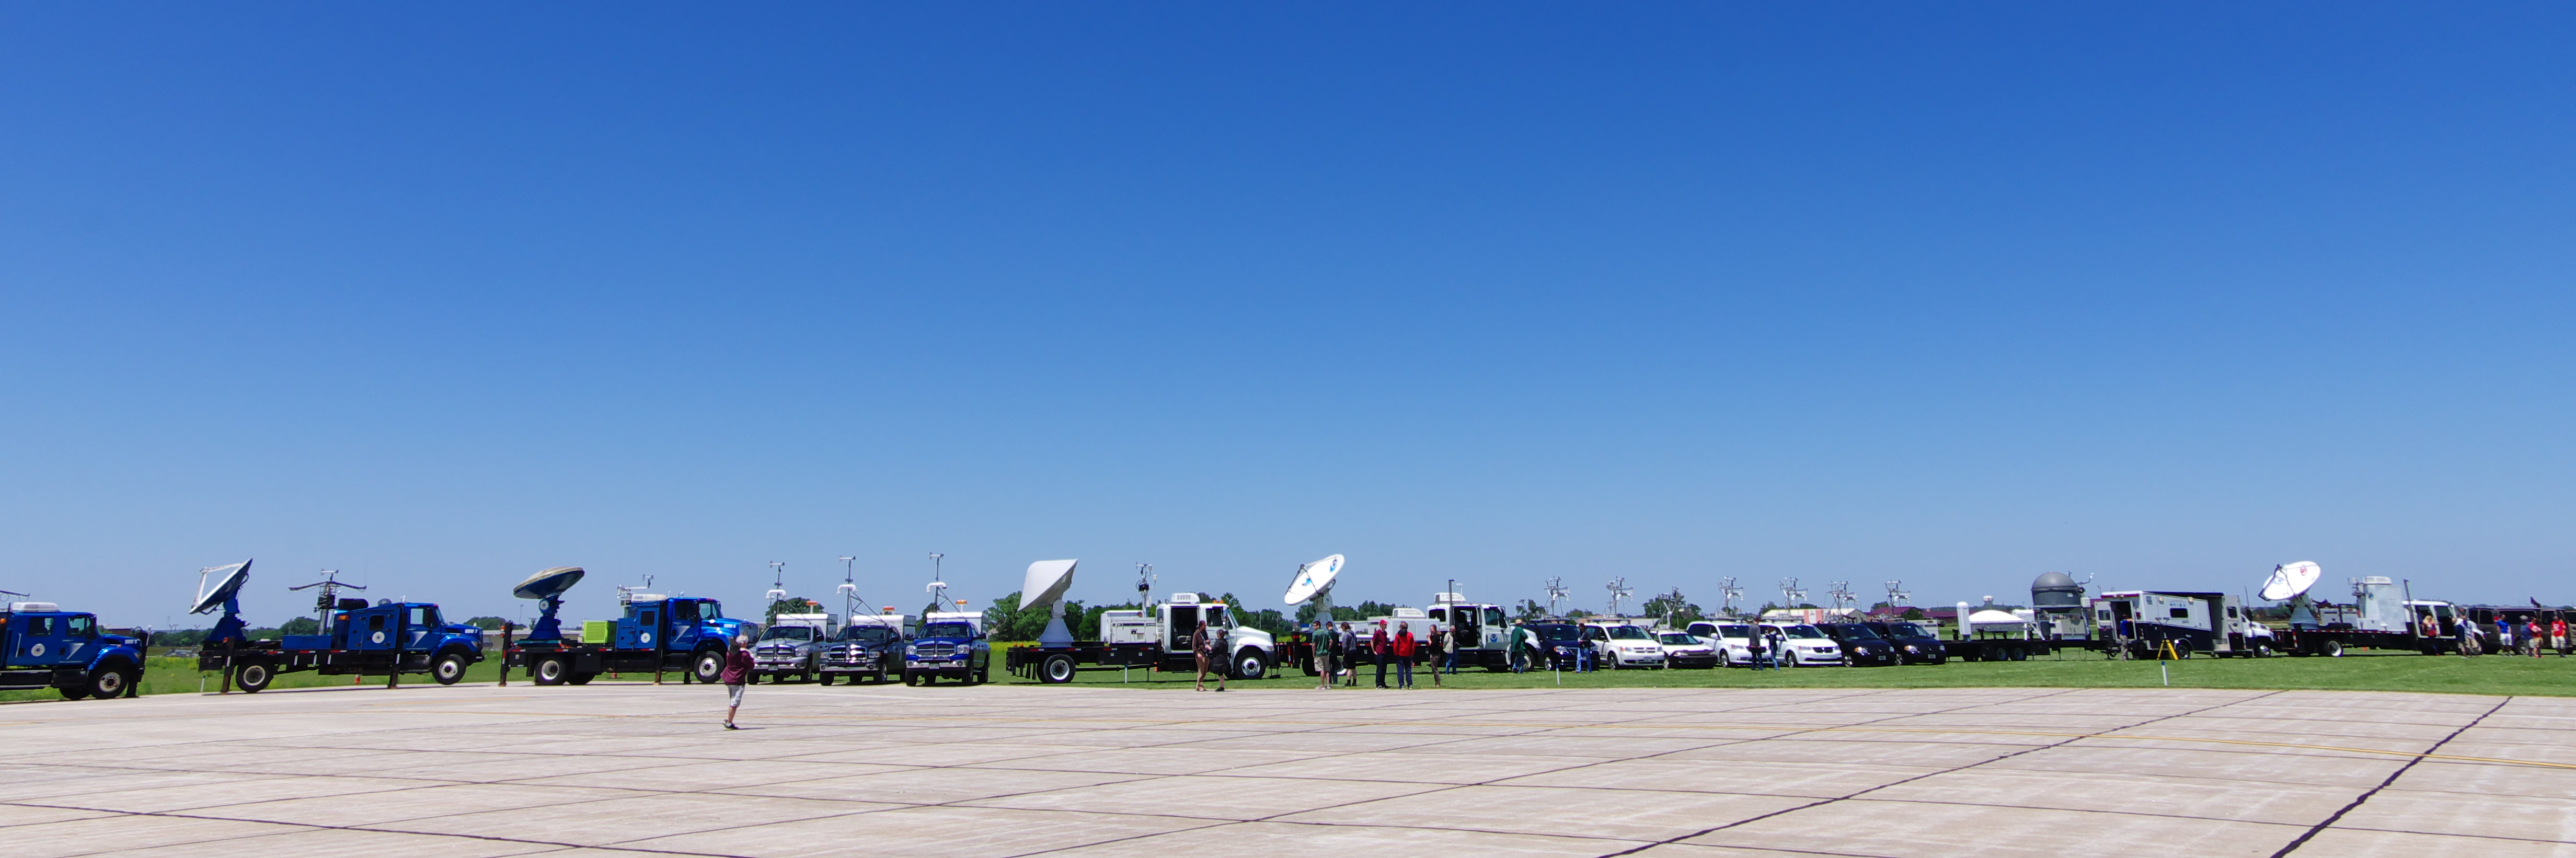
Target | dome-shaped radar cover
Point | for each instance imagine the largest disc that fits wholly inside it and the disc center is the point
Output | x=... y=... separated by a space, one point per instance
x=1046 y=582
x=1312 y=579
x=548 y=584
x=2290 y=579
x=226 y=581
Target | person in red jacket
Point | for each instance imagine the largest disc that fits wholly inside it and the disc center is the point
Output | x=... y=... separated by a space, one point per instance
x=1404 y=655
x=2558 y=634
x=736 y=674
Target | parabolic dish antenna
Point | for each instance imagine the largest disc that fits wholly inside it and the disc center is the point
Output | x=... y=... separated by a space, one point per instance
x=228 y=582
x=1046 y=582
x=1313 y=578
x=2291 y=579
x=548 y=584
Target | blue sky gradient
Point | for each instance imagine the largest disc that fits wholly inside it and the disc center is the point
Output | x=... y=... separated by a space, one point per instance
x=441 y=296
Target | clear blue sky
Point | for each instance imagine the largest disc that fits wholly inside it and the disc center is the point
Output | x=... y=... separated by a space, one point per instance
x=2164 y=294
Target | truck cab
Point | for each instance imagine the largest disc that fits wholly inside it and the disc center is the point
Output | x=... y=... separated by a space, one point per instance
x=673 y=626
x=950 y=644
x=792 y=644
x=870 y=646
x=48 y=647
x=413 y=634
x=1166 y=629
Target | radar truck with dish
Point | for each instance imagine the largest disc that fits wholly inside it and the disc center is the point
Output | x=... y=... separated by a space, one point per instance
x=655 y=634
x=1157 y=636
x=385 y=639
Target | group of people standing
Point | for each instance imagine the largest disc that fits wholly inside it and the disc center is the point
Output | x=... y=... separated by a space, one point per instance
x=2509 y=636
x=1341 y=649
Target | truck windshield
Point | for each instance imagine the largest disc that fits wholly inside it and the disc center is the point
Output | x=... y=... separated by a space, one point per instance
x=1629 y=633
x=948 y=630
x=788 y=633
x=867 y=634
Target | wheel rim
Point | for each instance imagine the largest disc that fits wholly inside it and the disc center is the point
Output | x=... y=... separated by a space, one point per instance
x=111 y=684
x=450 y=668
x=254 y=676
x=550 y=670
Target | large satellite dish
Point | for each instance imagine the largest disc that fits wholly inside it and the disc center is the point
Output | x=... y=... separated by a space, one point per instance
x=548 y=584
x=2291 y=579
x=228 y=582
x=1045 y=585
x=1046 y=582
x=1313 y=579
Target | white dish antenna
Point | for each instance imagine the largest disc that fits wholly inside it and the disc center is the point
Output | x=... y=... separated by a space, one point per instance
x=227 y=582
x=2291 y=579
x=1313 y=579
x=1046 y=582
x=548 y=584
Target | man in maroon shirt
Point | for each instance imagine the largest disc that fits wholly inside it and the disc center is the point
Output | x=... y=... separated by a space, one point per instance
x=1377 y=651
x=737 y=673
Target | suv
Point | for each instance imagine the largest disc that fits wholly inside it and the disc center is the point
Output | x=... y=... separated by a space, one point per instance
x=1733 y=641
x=864 y=648
x=1861 y=646
x=787 y=650
x=1559 y=646
x=1803 y=645
x=1914 y=645
x=950 y=644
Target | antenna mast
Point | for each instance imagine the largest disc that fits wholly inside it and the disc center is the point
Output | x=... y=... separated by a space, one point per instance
x=329 y=599
x=1555 y=594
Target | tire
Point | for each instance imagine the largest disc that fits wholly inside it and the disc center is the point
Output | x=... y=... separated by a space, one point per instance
x=2333 y=649
x=1249 y=665
x=709 y=666
x=1609 y=662
x=449 y=668
x=549 y=671
x=1056 y=669
x=75 y=692
x=110 y=682
x=984 y=674
x=252 y=678
x=911 y=678
x=823 y=679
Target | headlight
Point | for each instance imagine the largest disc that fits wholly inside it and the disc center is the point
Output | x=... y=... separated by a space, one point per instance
x=909 y=649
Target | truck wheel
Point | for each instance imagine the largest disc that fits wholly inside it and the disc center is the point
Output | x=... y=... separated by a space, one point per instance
x=251 y=678
x=825 y=679
x=2334 y=649
x=449 y=668
x=548 y=671
x=109 y=682
x=1056 y=668
x=74 y=692
x=1519 y=663
x=710 y=666
x=1249 y=665
x=911 y=678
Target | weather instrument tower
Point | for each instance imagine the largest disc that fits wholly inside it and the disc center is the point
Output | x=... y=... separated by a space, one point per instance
x=1618 y=592
x=937 y=589
x=1843 y=597
x=1672 y=607
x=1896 y=595
x=1790 y=593
x=1555 y=594
x=547 y=587
x=1045 y=585
x=329 y=599
x=1314 y=583
x=223 y=593
x=777 y=585
x=1730 y=593
x=849 y=588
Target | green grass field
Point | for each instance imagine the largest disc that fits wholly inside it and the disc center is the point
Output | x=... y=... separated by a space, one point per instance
x=2501 y=675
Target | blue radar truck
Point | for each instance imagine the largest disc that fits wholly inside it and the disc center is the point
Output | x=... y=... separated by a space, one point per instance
x=655 y=634
x=67 y=651
x=385 y=639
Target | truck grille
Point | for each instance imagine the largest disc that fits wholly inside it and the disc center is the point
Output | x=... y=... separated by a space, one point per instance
x=936 y=651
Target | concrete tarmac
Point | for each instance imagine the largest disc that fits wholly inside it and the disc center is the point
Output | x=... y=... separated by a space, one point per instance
x=634 y=770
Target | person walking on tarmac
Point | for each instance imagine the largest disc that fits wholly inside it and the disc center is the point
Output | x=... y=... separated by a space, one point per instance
x=1378 y=645
x=1404 y=655
x=1439 y=639
x=736 y=674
